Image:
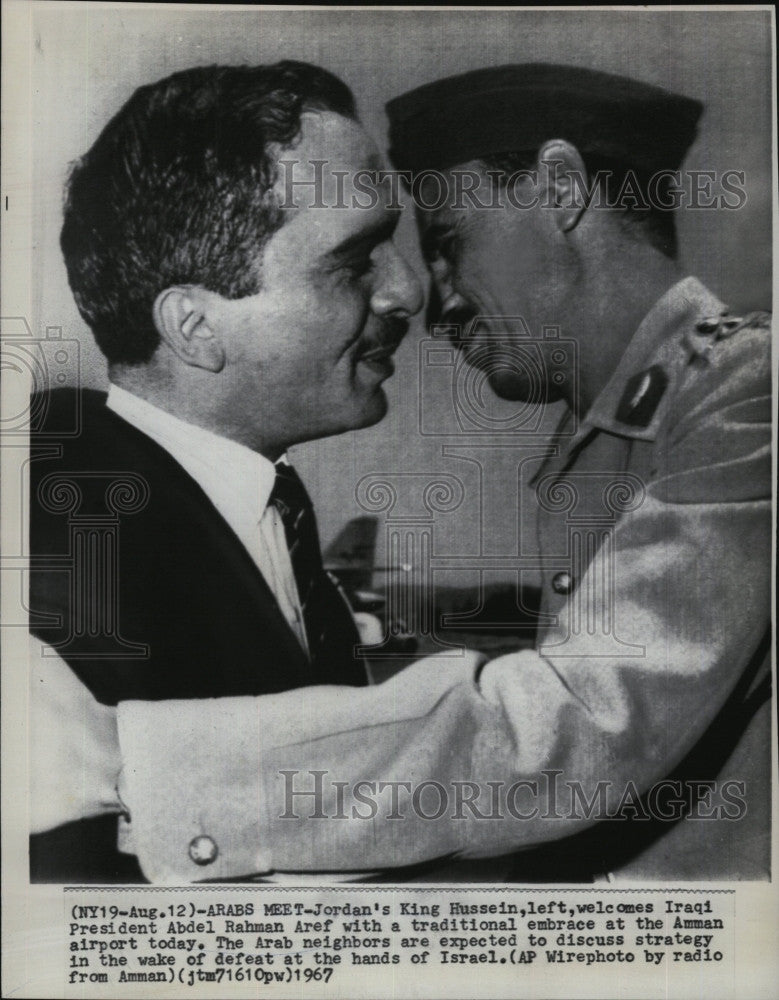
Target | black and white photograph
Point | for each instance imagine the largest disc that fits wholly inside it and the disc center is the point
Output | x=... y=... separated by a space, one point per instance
x=388 y=501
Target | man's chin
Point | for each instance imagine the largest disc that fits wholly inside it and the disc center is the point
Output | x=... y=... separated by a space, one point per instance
x=377 y=408
x=368 y=416
x=516 y=388
x=374 y=409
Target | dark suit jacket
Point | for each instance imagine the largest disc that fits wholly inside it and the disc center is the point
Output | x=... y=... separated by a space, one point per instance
x=145 y=591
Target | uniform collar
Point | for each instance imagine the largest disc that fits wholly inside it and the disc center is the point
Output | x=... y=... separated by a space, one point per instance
x=662 y=345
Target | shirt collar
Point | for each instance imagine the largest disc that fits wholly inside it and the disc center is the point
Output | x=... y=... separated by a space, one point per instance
x=665 y=337
x=236 y=479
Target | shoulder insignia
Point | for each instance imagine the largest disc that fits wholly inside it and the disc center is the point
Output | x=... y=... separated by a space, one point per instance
x=641 y=397
x=723 y=326
x=700 y=340
x=753 y=320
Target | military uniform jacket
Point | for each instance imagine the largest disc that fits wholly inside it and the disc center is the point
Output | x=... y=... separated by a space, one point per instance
x=144 y=590
x=655 y=532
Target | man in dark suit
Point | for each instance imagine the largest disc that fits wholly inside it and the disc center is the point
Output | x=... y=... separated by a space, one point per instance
x=174 y=550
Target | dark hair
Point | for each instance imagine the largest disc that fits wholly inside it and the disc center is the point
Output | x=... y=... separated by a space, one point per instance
x=638 y=195
x=177 y=190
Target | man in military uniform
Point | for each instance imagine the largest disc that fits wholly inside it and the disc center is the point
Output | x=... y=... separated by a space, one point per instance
x=650 y=672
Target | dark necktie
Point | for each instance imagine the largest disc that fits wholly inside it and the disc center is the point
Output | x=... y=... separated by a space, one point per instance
x=330 y=628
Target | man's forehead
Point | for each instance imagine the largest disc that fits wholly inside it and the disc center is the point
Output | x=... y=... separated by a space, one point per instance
x=329 y=231
x=342 y=143
x=334 y=170
x=443 y=217
x=333 y=186
x=444 y=196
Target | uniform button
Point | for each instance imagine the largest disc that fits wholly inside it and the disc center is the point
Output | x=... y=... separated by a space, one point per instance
x=708 y=325
x=203 y=850
x=562 y=583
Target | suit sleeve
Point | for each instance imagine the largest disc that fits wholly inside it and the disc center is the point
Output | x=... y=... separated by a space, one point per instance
x=690 y=603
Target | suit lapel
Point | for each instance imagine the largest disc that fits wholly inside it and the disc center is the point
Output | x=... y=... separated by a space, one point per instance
x=208 y=529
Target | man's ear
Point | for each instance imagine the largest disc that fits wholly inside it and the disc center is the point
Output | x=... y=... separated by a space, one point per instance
x=180 y=317
x=566 y=182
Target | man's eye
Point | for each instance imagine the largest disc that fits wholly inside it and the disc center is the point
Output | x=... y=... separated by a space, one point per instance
x=359 y=266
x=439 y=248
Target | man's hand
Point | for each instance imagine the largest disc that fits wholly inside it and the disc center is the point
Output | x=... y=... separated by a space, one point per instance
x=74 y=747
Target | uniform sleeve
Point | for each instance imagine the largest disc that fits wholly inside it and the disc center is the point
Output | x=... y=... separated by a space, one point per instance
x=690 y=603
x=194 y=771
x=418 y=768
x=74 y=752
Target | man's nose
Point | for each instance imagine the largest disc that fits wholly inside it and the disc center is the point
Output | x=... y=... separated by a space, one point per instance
x=398 y=292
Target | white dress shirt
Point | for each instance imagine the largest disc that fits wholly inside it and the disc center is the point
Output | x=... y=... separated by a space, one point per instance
x=237 y=481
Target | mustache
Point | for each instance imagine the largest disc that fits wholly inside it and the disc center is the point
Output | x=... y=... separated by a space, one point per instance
x=391 y=331
x=383 y=339
x=461 y=315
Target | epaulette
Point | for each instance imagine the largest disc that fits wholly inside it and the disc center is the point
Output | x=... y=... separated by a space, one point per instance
x=711 y=329
x=756 y=320
x=723 y=326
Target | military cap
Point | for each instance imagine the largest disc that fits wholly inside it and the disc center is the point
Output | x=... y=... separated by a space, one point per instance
x=516 y=108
